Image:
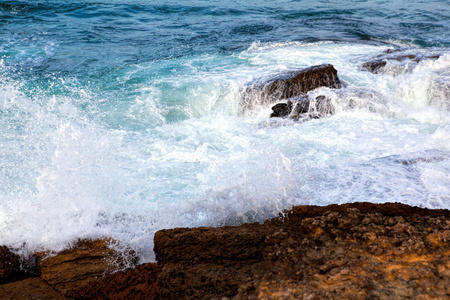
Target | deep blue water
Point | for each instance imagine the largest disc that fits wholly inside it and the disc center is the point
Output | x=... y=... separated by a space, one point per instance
x=119 y=118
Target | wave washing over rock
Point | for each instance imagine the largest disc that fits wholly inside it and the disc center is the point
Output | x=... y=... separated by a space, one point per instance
x=121 y=119
x=351 y=251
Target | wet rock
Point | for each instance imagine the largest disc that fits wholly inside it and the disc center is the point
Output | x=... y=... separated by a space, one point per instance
x=402 y=60
x=321 y=106
x=10 y=266
x=304 y=108
x=358 y=250
x=281 y=109
x=85 y=262
x=137 y=283
x=374 y=66
x=354 y=251
x=29 y=289
x=290 y=85
x=300 y=106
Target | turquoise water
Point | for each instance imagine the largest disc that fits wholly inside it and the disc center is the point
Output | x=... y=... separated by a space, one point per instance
x=120 y=118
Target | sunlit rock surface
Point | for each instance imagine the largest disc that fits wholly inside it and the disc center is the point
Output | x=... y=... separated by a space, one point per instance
x=350 y=251
x=83 y=263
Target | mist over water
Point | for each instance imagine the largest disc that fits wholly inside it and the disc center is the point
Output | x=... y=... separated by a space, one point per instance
x=122 y=118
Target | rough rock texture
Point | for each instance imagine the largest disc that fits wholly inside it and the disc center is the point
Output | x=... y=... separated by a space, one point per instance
x=137 y=283
x=86 y=261
x=351 y=251
x=290 y=85
x=9 y=266
x=81 y=272
x=29 y=289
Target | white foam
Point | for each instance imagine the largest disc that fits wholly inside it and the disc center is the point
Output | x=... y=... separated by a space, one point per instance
x=179 y=154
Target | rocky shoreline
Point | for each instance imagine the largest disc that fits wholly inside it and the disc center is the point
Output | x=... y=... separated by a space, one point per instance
x=349 y=251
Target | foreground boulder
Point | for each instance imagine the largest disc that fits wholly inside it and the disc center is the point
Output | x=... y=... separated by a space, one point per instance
x=85 y=262
x=290 y=85
x=351 y=251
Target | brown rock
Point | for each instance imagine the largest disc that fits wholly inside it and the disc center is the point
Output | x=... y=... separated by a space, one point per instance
x=172 y=245
x=351 y=251
x=290 y=85
x=29 y=289
x=85 y=262
x=236 y=250
x=137 y=283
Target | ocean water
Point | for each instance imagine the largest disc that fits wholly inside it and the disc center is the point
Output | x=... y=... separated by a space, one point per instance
x=123 y=117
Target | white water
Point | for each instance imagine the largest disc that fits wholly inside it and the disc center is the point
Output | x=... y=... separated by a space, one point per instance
x=72 y=169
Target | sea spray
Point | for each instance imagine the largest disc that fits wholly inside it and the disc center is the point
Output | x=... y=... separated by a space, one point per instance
x=121 y=119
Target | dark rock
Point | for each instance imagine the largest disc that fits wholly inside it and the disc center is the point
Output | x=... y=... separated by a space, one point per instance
x=300 y=105
x=281 y=109
x=304 y=107
x=322 y=106
x=290 y=85
x=10 y=266
x=358 y=250
x=137 y=283
x=319 y=106
x=85 y=262
x=29 y=289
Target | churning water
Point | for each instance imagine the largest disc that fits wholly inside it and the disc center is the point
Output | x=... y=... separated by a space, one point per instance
x=121 y=118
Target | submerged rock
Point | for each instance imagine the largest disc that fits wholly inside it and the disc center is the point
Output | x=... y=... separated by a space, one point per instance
x=290 y=85
x=402 y=60
x=374 y=66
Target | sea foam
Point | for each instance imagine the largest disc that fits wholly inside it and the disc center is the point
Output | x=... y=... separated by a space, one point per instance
x=175 y=151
